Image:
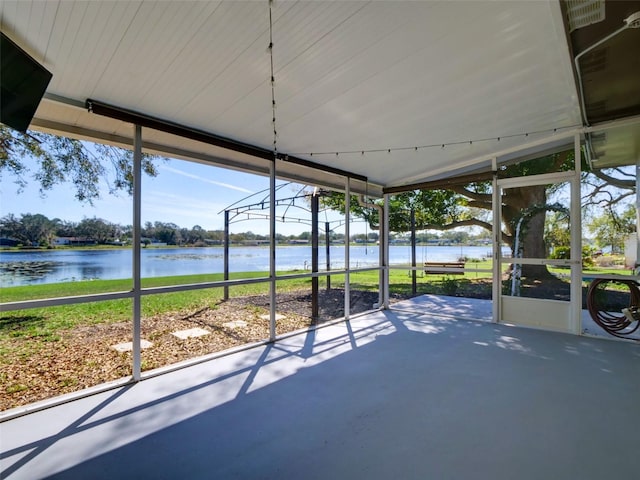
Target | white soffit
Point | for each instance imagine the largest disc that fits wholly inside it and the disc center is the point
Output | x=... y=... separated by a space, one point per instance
x=349 y=76
x=616 y=144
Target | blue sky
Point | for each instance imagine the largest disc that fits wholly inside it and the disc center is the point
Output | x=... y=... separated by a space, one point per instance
x=184 y=193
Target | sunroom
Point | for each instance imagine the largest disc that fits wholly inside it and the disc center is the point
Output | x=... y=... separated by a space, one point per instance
x=320 y=114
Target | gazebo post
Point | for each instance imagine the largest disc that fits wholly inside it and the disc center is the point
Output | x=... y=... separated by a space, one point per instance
x=226 y=253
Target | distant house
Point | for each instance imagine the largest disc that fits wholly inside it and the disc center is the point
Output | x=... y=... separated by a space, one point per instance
x=73 y=241
x=400 y=241
x=152 y=242
x=255 y=243
x=9 y=242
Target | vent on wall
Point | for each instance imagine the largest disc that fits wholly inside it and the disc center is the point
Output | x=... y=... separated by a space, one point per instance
x=581 y=13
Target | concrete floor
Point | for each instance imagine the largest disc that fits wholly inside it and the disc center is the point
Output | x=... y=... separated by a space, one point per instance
x=398 y=394
x=481 y=310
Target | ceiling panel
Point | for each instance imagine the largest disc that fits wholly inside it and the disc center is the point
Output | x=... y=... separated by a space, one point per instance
x=349 y=76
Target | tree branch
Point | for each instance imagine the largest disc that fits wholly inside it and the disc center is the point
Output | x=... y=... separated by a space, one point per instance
x=616 y=182
x=464 y=223
x=481 y=205
x=478 y=197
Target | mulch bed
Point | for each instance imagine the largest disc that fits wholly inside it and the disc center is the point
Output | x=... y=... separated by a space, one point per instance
x=83 y=357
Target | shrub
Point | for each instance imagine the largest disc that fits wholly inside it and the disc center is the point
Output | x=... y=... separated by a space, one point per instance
x=564 y=253
x=561 y=253
x=449 y=286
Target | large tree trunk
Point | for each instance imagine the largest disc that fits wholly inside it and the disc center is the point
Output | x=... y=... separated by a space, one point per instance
x=532 y=236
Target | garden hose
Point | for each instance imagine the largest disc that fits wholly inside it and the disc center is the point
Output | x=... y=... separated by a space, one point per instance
x=619 y=322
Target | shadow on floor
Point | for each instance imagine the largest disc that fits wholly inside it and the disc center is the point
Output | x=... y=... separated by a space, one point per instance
x=421 y=398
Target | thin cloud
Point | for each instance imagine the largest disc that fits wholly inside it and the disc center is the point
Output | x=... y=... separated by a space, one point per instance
x=158 y=197
x=206 y=180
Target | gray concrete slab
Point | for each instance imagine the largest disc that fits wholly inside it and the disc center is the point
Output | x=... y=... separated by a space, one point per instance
x=396 y=394
x=454 y=307
x=481 y=310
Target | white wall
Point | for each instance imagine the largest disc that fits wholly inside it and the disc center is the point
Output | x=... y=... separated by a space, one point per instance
x=630 y=251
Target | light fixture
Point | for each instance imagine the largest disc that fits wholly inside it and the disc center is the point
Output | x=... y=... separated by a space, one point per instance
x=633 y=20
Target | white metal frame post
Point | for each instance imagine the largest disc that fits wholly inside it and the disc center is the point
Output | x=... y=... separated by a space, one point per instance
x=497 y=242
x=137 y=240
x=635 y=267
x=384 y=238
x=576 y=242
x=383 y=287
x=272 y=251
x=347 y=219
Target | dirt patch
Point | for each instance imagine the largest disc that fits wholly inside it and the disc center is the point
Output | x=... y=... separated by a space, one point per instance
x=83 y=357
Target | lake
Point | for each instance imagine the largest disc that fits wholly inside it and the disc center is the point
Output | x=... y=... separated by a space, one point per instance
x=53 y=266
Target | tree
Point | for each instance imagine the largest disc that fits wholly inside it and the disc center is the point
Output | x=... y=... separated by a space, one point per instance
x=216 y=235
x=612 y=230
x=65 y=228
x=10 y=227
x=607 y=188
x=168 y=233
x=58 y=160
x=196 y=235
x=30 y=229
x=556 y=232
x=96 y=229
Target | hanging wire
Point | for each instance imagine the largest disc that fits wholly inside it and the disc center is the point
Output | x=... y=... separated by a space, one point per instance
x=273 y=84
x=438 y=145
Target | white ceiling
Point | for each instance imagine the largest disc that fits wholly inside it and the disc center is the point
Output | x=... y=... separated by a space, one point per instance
x=349 y=77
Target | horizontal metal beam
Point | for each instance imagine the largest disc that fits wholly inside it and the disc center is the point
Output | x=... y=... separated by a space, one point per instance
x=156 y=148
x=100 y=297
x=58 y=301
x=137 y=118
